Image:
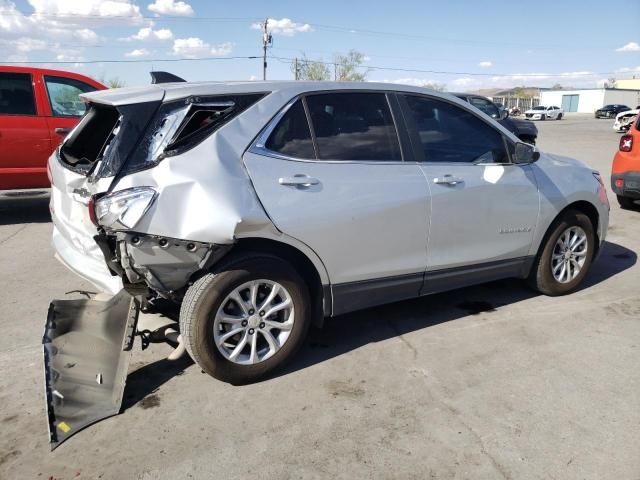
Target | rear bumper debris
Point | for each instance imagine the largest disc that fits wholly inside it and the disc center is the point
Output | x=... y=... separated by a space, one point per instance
x=87 y=348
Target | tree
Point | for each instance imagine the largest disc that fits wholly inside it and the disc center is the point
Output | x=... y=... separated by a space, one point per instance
x=113 y=82
x=610 y=83
x=348 y=67
x=438 y=87
x=310 y=70
x=557 y=86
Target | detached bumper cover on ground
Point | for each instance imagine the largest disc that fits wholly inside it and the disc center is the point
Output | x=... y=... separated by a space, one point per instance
x=87 y=347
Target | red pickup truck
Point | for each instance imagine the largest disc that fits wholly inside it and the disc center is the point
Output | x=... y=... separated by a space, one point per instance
x=38 y=107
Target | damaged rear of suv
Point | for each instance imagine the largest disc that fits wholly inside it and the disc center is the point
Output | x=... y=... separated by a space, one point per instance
x=261 y=208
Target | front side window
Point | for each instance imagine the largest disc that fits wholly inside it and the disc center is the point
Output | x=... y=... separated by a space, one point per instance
x=448 y=133
x=16 y=94
x=485 y=106
x=292 y=136
x=64 y=96
x=353 y=126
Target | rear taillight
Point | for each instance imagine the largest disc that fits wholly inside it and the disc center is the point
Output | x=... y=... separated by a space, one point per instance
x=92 y=211
x=619 y=182
x=626 y=143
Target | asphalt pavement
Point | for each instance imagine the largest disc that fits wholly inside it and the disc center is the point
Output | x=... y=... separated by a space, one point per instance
x=489 y=382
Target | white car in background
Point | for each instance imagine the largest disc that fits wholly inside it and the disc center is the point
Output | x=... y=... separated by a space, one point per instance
x=625 y=119
x=543 y=113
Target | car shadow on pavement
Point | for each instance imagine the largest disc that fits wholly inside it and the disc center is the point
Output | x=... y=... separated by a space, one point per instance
x=145 y=381
x=24 y=207
x=349 y=332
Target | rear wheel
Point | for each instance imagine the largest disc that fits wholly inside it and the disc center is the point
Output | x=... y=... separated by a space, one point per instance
x=247 y=318
x=566 y=255
x=625 y=202
x=559 y=117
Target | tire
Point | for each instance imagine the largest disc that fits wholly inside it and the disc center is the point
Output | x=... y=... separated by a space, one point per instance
x=541 y=277
x=543 y=117
x=559 y=117
x=625 y=202
x=205 y=298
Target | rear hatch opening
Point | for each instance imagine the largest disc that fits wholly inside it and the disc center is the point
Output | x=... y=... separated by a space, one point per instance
x=87 y=143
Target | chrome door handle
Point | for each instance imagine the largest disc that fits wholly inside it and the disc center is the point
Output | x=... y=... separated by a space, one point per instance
x=298 y=181
x=62 y=131
x=448 y=180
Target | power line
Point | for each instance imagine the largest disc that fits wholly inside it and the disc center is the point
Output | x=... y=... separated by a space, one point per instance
x=292 y=60
x=479 y=74
x=138 y=60
x=71 y=16
x=321 y=26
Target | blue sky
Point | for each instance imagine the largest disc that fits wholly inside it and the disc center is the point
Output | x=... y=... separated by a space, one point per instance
x=480 y=44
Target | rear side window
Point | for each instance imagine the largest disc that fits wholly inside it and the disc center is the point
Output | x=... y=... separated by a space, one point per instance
x=64 y=96
x=448 y=133
x=353 y=126
x=16 y=94
x=292 y=136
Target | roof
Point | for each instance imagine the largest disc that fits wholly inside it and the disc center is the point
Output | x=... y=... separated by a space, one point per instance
x=174 y=91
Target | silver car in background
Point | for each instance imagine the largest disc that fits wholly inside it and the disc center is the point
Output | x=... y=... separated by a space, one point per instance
x=263 y=207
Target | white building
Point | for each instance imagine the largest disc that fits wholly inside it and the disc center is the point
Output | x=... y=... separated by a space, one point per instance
x=588 y=100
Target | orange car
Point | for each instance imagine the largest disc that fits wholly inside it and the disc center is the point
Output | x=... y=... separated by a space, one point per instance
x=625 y=173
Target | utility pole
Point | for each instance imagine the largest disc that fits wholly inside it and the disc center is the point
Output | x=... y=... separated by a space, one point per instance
x=267 y=40
x=295 y=68
x=335 y=72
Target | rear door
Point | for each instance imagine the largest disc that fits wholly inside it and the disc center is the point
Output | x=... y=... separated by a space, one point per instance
x=344 y=190
x=24 y=135
x=483 y=208
x=66 y=107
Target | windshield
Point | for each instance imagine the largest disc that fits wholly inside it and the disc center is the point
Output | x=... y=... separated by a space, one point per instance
x=539 y=108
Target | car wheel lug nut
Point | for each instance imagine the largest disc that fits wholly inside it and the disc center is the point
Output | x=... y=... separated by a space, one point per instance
x=251 y=331
x=262 y=314
x=261 y=324
x=251 y=312
x=244 y=323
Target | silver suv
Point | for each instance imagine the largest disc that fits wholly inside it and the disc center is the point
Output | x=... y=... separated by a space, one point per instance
x=263 y=208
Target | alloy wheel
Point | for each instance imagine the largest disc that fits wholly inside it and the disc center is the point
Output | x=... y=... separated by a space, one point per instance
x=253 y=322
x=569 y=254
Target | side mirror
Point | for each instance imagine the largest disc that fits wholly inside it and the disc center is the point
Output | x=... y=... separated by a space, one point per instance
x=525 y=153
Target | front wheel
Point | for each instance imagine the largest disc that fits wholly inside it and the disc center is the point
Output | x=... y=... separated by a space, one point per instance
x=566 y=255
x=559 y=117
x=247 y=318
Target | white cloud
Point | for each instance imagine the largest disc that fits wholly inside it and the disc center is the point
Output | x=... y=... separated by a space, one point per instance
x=284 y=26
x=485 y=64
x=123 y=11
x=194 y=47
x=629 y=47
x=26 y=44
x=149 y=34
x=628 y=69
x=69 y=56
x=170 y=7
x=137 y=53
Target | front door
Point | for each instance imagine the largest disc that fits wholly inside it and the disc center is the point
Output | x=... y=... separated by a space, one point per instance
x=484 y=209
x=24 y=136
x=348 y=195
